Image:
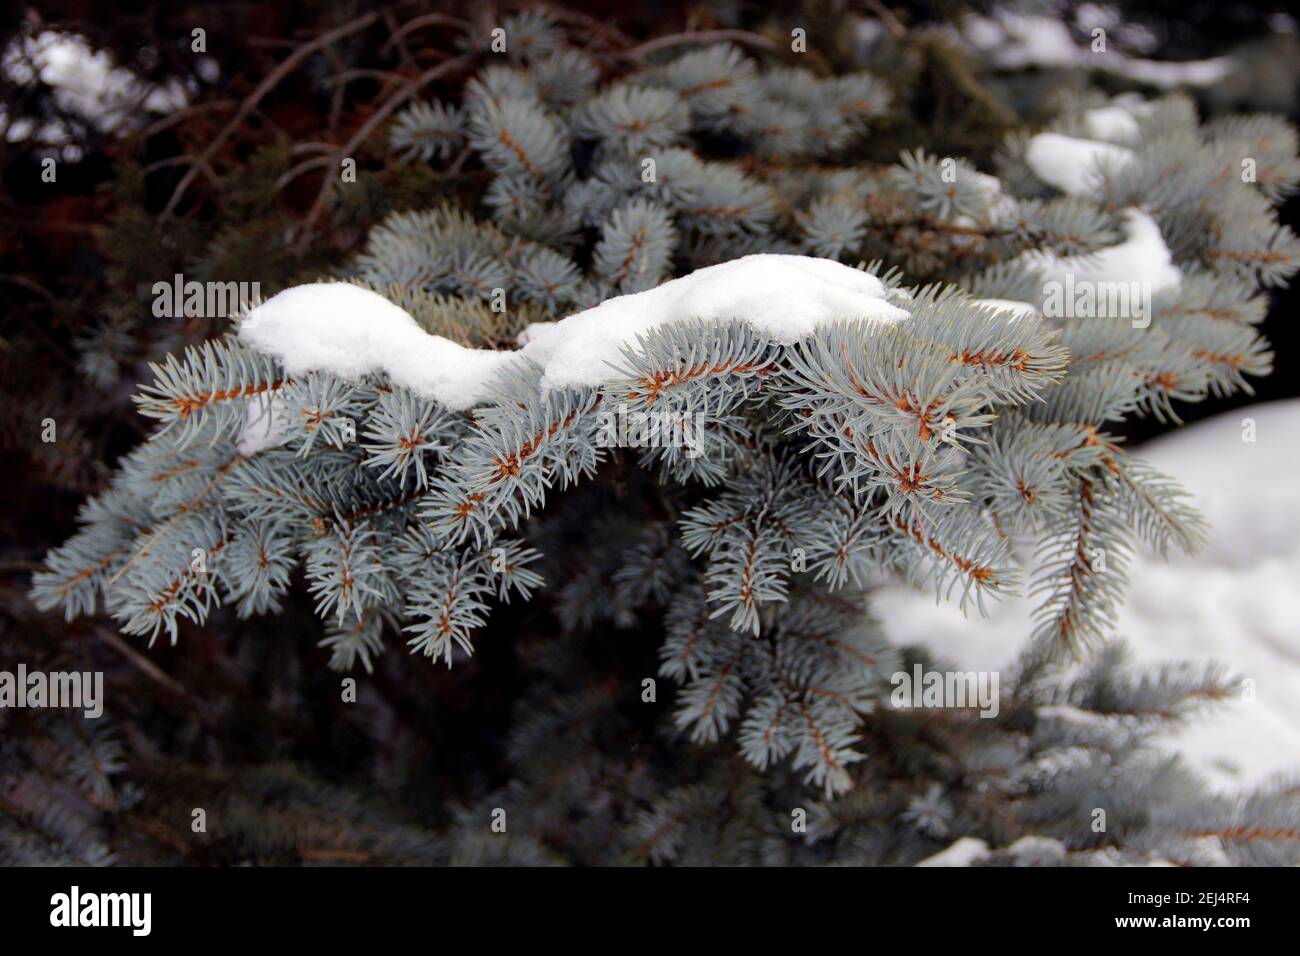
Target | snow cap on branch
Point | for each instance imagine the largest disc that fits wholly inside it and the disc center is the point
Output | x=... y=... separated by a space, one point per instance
x=1071 y=164
x=1143 y=256
x=351 y=331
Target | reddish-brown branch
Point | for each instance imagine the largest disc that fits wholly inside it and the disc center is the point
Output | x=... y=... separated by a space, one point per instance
x=186 y=404
x=510 y=466
x=1250 y=833
x=978 y=573
x=1016 y=359
x=652 y=385
x=169 y=594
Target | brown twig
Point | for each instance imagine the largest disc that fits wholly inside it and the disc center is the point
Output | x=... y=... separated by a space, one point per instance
x=142 y=663
x=403 y=50
x=307 y=165
x=887 y=17
x=702 y=36
x=183 y=114
x=29 y=285
x=287 y=66
x=427 y=20
x=310 y=855
x=597 y=28
x=377 y=117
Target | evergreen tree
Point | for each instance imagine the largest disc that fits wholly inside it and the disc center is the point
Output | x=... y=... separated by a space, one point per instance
x=919 y=401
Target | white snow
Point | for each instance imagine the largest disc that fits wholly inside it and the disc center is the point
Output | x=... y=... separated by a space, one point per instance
x=1037 y=850
x=1141 y=257
x=534 y=330
x=1113 y=124
x=964 y=852
x=1237 y=603
x=352 y=331
x=1167 y=74
x=1067 y=714
x=1002 y=207
x=1012 y=41
x=1134 y=103
x=264 y=427
x=85 y=82
x=1012 y=310
x=1117 y=122
x=780 y=296
x=1071 y=164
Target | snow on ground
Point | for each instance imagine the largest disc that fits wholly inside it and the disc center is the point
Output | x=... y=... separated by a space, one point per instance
x=351 y=331
x=1238 y=603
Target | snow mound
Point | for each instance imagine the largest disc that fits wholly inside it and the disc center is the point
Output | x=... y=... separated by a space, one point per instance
x=1071 y=164
x=1143 y=256
x=1114 y=124
x=351 y=331
x=782 y=297
x=1118 y=122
